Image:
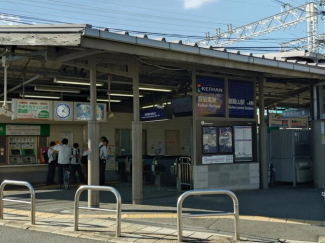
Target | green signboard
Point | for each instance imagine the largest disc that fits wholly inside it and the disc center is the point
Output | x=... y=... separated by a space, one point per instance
x=24 y=130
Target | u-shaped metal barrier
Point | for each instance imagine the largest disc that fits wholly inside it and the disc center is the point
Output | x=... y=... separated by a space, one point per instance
x=206 y=192
x=18 y=183
x=98 y=188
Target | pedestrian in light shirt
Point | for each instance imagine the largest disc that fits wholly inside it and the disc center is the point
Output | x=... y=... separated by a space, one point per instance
x=52 y=160
x=64 y=158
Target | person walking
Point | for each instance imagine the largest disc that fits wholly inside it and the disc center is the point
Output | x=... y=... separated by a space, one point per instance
x=63 y=159
x=75 y=164
x=103 y=155
x=52 y=161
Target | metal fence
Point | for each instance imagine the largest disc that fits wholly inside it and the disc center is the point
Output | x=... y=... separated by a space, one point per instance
x=184 y=173
x=180 y=216
x=98 y=188
x=18 y=183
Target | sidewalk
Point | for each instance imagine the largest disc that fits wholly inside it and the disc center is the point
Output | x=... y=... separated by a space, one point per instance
x=102 y=228
x=265 y=216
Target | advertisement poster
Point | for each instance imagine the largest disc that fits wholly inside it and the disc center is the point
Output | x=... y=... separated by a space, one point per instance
x=299 y=122
x=210 y=97
x=225 y=140
x=82 y=112
x=217 y=159
x=209 y=140
x=241 y=99
x=31 y=110
x=243 y=143
x=277 y=120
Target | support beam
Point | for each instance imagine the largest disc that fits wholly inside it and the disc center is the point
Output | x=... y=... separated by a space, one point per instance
x=137 y=166
x=75 y=55
x=20 y=85
x=321 y=99
x=93 y=139
x=263 y=157
x=286 y=96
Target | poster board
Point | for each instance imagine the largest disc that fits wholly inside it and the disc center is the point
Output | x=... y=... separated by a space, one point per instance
x=225 y=140
x=243 y=143
x=82 y=112
x=67 y=135
x=39 y=110
x=210 y=96
x=209 y=140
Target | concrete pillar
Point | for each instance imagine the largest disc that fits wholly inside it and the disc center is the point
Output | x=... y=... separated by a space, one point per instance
x=263 y=139
x=93 y=139
x=194 y=130
x=137 y=165
x=321 y=99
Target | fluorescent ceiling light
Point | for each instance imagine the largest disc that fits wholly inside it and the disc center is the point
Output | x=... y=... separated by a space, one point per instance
x=156 y=105
x=106 y=100
x=162 y=89
x=40 y=96
x=122 y=94
x=75 y=82
x=57 y=89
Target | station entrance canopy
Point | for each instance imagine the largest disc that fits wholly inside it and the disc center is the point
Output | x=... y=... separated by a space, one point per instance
x=48 y=60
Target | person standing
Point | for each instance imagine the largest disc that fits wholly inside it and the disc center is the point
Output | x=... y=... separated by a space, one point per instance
x=64 y=158
x=75 y=164
x=84 y=162
x=52 y=161
x=103 y=155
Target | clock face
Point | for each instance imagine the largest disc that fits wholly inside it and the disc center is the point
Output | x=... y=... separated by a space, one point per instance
x=63 y=110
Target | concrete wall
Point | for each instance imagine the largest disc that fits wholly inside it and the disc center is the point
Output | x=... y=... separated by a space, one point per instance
x=244 y=176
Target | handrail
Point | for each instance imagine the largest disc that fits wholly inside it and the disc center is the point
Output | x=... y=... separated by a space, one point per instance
x=206 y=192
x=98 y=188
x=18 y=183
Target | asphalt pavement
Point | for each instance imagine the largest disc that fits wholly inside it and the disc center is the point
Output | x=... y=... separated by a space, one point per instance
x=15 y=235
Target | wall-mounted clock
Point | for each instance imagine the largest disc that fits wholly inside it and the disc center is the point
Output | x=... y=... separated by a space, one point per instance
x=63 y=111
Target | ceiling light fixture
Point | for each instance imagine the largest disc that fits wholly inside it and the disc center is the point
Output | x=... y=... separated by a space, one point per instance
x=163 y=89
x=106 y=100
x=40 y=96
x=57 y=89
x=156 y=105
x=123 y=94
x=75 y=82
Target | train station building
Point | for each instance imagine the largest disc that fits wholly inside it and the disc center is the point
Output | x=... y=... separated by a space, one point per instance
x=149 y=97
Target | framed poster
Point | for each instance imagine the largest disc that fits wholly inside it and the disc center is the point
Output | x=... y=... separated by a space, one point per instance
x=40 y=110
x=209 y=140
x=241 y=99
x=82 y=112
x=210 y=96
x=243 y=143
x=225 y=140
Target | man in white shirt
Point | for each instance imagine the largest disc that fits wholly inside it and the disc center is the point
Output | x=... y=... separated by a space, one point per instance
x=64 y=158
x=52 y=161
x=101 y=140
x=75 y=164
x=103 y=155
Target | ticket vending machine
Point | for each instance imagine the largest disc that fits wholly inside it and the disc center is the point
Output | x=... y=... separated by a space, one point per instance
x=22 y=150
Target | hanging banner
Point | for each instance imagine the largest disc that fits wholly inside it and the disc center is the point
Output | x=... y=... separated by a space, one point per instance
x=277 y=120
x=210 y=96
x=40 y=110
x=241 y=99
x=82 y=112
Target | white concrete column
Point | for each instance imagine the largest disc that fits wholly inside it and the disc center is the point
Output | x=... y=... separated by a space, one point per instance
x=137 y=165
x=263 y=139
x=194 y=130
x=93 y=139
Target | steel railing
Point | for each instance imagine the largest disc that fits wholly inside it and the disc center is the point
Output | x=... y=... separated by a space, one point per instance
x=184 y=173
x=98 y=188
x=180 y=216
x=18 y=183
